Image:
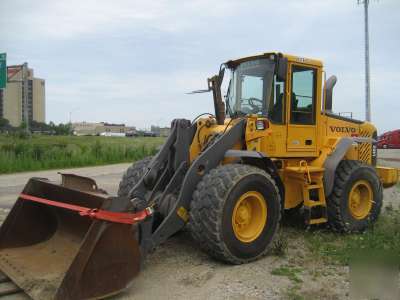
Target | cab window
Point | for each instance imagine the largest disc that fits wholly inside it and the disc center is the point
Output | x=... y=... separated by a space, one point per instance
x=276 y=111
x=302 y=103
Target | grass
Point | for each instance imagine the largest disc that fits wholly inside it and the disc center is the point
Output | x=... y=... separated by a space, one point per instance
x=51 y=152
x=379 y=243
x=292 y=274
x=289 y=272
x=280 y=245
x=293 y=294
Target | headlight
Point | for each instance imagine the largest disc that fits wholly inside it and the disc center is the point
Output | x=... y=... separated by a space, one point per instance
x=261 y=124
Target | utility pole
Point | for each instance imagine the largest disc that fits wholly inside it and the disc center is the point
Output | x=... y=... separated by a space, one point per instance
x=70 y=114
x=367 y=75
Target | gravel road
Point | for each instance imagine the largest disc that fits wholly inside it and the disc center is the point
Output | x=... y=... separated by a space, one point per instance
x=107 y=177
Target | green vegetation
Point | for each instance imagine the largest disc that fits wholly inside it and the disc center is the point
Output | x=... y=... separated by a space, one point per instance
x=289 y=272
x=51 y=152
x=380 y=243
x=280 y=245
x=35 y=127
x=292 y=293
x=4 y=123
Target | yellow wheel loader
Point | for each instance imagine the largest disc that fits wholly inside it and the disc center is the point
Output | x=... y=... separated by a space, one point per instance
x=272 y=144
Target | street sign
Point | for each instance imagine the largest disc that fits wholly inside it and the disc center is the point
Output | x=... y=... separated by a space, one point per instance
x=3 y=70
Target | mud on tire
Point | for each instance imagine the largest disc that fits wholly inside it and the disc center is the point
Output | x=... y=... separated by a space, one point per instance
x=212 y=209
x=348 y=173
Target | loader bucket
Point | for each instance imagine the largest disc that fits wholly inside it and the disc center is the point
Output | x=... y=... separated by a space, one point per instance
x=54 y=253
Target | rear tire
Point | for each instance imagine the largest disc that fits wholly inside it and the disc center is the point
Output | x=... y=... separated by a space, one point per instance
x=218 y=222
x=356 y=199
x=132 y=176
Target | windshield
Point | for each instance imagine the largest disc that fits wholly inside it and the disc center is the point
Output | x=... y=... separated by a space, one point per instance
x=250 y=88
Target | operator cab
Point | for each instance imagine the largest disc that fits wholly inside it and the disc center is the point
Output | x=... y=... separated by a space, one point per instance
x=255 y=89
x=284 y=89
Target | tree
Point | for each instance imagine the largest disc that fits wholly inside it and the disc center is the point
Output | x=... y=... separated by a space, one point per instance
x=40 y=127
x=4 y=124
x=23 y=125
x=60 y=129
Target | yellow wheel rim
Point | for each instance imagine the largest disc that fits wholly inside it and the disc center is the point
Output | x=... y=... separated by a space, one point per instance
x=360 y=199
x=249 y=216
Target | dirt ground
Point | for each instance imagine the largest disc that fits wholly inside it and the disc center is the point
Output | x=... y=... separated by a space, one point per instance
x=179 y=270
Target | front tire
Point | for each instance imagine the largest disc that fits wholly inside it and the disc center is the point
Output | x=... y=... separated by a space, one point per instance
x=356 y=199
x=235 y=213
x=132 y=176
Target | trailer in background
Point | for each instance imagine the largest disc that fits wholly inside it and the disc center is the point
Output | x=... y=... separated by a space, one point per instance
x=390 y=139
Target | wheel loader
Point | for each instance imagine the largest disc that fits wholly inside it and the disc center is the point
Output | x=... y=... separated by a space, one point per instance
x=272 y=144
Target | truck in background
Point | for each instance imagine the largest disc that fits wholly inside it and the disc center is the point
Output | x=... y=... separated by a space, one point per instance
x=390 y=139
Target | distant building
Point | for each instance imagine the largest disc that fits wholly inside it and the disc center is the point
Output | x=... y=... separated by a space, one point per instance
x=161 y=131
x=102 y=128
x=84 y=128
x=12 y=98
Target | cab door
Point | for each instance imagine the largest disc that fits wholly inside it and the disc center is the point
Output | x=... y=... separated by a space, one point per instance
x=302 y=98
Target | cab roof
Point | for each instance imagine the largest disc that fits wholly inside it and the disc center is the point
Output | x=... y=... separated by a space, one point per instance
x=271 y=55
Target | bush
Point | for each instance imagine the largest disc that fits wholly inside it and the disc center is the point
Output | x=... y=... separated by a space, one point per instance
x=48 y=152
x=381 y=241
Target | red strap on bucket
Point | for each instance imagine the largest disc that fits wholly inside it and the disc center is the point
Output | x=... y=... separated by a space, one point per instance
x=94 y=213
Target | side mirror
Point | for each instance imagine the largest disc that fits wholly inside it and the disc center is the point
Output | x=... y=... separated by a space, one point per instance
x=329 y=84
x=282 y=68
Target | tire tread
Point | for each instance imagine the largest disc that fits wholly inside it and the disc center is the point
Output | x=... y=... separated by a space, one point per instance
x=207 y=208
x=342 y=176
x=132 y=175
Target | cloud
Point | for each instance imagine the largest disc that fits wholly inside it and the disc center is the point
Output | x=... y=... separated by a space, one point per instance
x=136 y=99
x=73 y=18
x=132 y=61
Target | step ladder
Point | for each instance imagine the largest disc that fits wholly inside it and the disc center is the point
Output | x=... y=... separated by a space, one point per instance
x=311 y=180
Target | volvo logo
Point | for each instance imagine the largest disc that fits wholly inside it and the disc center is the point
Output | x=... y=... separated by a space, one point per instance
x=343 y=129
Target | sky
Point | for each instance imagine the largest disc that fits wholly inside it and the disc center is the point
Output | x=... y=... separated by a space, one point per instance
x=128 y=61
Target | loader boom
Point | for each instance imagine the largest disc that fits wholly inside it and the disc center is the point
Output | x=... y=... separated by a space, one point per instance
x=187 y=175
